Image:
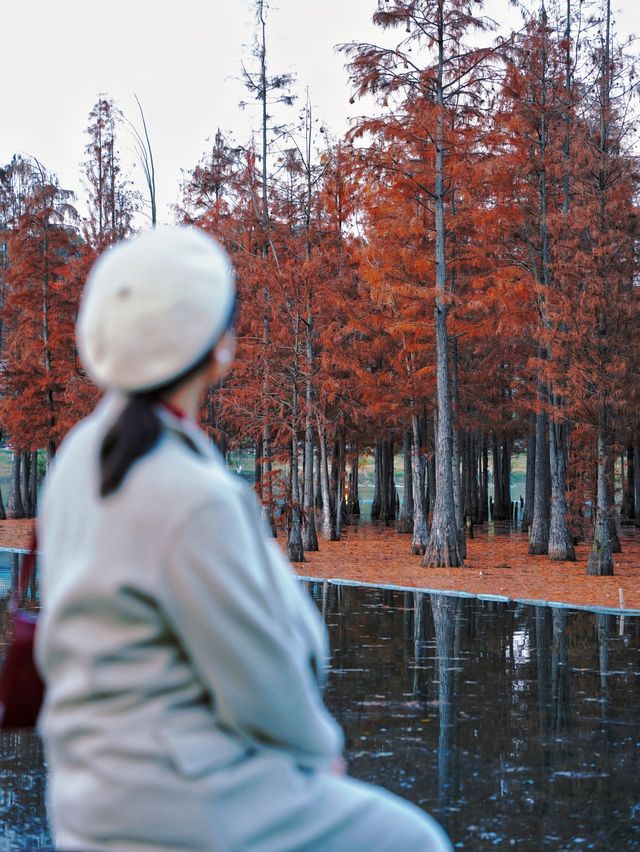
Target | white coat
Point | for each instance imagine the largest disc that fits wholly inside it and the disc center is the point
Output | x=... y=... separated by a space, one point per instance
x=182 y=664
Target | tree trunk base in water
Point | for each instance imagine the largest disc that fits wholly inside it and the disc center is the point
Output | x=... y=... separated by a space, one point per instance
x=418 y=547
x=562 y=554
x=539 y=541
x=561 y=550
x=309 y=532
x=296 y=553
x=600 y=563
x=442 y=550
x=405 y=525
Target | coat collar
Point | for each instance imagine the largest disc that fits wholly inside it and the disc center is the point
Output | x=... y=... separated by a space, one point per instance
x=113 y=402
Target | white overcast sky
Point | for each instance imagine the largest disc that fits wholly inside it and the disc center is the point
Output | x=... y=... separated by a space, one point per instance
x=183 y=60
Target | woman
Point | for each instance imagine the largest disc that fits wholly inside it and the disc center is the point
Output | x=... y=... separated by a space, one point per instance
x=182 y=661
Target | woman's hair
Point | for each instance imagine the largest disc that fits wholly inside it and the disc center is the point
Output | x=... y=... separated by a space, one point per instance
x=137 y=430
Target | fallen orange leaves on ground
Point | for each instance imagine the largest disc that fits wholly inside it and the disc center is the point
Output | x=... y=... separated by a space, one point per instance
x=497 y=563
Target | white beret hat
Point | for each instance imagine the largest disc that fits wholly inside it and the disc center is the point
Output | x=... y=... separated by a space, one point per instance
x=153 y=306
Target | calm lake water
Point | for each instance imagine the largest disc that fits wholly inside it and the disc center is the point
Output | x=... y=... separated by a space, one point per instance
x=514 y=725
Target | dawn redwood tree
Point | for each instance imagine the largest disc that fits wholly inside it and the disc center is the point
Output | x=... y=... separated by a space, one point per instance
x=111 y=201
x=39 y=315
x=267 y=90
x=395 y=263
x=607 y=311
x=431 y=73
x=534 y=134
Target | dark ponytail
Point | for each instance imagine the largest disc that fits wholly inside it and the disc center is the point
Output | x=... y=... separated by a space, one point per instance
x=137 y=429
x=133 y=435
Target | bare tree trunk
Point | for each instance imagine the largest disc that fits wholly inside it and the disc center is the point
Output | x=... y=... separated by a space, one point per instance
x=317 y=492
x=354 y=488
x=420 y=531
x=405 y=524
x=614 y=537
x=309 y=534
x=442 y=549
x=539 y=538
x=560 y=542
x=484 y=481
x=294 y=543
x=530 y=485
x=338 y=480
x=636 y=482
x=327 y=523
x=15 y=509
x=376 y=503
x=600 y=561
x=26 y=479
x=628 y=511
x=34 y=481
x=455 y=450
x=505 y=468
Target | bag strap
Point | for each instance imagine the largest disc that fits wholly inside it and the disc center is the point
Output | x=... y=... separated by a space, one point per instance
x=27 y=571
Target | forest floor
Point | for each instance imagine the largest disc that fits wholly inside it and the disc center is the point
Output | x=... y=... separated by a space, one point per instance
x=497 y=564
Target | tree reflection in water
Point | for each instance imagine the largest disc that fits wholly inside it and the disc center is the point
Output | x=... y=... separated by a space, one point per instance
x=516 y=725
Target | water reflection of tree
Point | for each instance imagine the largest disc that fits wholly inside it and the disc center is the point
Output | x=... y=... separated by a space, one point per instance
x=447 y=625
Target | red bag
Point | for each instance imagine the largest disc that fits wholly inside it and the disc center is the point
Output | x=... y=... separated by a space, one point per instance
x=21 y=687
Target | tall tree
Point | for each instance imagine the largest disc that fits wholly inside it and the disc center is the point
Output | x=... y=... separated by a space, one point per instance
x=437 y=91
x=39 y=315
x=112 y=202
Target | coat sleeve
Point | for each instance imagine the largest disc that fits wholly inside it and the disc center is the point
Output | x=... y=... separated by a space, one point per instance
x=239 y=636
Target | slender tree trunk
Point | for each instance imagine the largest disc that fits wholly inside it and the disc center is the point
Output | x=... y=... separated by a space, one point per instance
x=472 y=486
x=420 y=532
x=636 y=482
x=26 y=479
x=266 y=467
x=505 y=470
x=354 y=488
x=316 y=478
x=405 y=524
x=600 y=561
x=484 y=481
x=539 y=538
x=530 y=485
x=376 y=503
x=628 y=511
x=614 y=520
x=431 y=478
x=15 y=508
x=455 y=450
x=499 y=510
x=338 y=480
x=294 y=543
x=327 y=521
x=309 y=533
x=442 y=549
x=560 y=542
x=34 y=482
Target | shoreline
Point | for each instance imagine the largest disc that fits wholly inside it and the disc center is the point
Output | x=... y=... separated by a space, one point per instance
x=498 y=567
